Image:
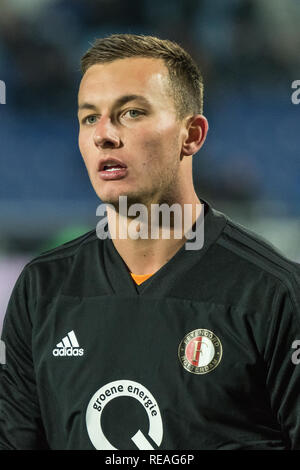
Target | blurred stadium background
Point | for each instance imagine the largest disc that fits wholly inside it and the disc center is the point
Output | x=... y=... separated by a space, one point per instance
x=248 y=51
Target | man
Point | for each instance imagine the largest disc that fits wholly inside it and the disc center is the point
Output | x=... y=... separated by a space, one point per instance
x=126 y=342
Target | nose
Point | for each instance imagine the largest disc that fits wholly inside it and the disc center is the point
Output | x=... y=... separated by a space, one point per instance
x=106 y=135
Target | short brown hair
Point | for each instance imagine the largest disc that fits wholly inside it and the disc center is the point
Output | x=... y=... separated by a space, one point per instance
x=184 y=75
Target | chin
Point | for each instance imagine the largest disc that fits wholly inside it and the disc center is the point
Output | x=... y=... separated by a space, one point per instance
x=112 y=198
x=132 y=198
x=112 y=193
x=108 y=195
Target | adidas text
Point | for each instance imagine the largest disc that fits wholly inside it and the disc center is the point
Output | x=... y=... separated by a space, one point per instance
x=68 y=352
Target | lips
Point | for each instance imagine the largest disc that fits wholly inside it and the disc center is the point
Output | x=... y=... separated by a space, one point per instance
x=112 y=169
x=109 y=163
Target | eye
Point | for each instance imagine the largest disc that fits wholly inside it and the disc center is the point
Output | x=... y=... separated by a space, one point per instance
x=92 y=119
x=133 y=113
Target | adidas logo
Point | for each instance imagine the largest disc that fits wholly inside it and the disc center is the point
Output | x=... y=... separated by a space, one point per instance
x=68 y=346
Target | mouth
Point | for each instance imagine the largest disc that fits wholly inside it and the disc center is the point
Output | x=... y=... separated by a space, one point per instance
x=112 y=169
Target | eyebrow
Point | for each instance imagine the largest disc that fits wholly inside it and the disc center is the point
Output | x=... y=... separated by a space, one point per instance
x=119 y=102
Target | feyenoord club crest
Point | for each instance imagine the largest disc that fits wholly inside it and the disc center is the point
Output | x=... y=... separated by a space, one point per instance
x=200 y=351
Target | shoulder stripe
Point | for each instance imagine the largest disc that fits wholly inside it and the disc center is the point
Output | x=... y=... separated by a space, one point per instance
x=263 y=254
x=258 y=245
x=65 y=250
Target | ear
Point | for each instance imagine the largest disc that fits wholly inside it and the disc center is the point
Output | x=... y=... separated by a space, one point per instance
x=196 y=131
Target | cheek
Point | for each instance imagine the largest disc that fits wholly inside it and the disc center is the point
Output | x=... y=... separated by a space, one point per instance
x=84 y=143
x=81 y=144
x=162 y=147
x=85 y=153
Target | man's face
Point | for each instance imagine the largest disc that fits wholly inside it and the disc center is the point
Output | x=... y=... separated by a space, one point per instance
x=130 y=137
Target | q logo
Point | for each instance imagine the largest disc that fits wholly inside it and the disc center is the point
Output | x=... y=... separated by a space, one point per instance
x=147 y=406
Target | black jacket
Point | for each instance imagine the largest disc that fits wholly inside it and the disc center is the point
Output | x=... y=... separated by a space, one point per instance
x=200 y=356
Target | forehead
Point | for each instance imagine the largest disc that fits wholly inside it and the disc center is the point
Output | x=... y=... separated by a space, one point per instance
x=131 y=76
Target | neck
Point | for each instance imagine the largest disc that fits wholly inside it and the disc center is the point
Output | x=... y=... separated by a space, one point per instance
x=147 y=241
